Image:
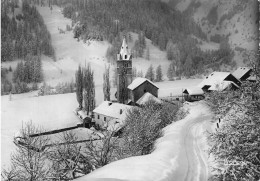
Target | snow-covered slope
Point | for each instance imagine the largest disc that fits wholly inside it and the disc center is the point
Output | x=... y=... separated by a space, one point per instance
x=178 y=155
x=70 y=53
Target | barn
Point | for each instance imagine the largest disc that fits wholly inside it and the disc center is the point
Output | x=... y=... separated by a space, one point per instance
x=139 y=87
x=193 y=94
x=219 y=81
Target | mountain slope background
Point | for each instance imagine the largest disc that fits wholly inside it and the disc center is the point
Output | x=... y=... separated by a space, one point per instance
x=236 y=19
x=198 y=36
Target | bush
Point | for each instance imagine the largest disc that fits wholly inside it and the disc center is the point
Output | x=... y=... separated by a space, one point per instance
x=144 y=125
x=236 y=145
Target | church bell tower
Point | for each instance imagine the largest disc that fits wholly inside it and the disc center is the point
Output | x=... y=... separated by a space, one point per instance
x=124 y=73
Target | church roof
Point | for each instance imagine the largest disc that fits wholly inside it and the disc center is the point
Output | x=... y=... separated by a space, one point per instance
x=124 y=52
x=138 y=81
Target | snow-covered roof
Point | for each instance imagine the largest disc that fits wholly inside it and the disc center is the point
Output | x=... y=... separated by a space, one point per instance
x=222 y=86
x=148 y=97
x=115 y=124
x=138 y=81
x=83 y=114
x=193 y=91
x=218 y=81
x=112 y=109
x=215 y=77
x=251 y=78
x=241 y=72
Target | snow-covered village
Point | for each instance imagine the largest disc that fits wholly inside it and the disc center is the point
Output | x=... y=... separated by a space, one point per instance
x=138 y=90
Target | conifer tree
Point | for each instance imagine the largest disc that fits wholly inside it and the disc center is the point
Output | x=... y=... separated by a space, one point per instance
x=38 y=76
x=170 y=50
x=159 y=74
x=147 y=55
x=150 y=73
x=27 y=76
x=162 y=41
x=170 y=72
x=140 y=74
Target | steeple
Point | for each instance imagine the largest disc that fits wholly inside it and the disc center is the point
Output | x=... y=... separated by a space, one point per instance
x=124 y=73
x=124 y=52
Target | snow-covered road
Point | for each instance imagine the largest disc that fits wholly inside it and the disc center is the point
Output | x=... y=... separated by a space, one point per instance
x=179 y=155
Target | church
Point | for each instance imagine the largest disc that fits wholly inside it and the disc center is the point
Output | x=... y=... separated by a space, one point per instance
x=129 y=92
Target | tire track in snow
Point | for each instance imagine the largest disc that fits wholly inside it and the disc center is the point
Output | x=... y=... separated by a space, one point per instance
x=197 y=167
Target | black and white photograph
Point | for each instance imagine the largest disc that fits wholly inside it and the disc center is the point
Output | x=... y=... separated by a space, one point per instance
x=130 y=90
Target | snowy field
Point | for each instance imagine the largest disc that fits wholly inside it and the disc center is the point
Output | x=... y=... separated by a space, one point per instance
x=175 y=88
x=181 y=154
x=48 y=112
x=56 y=111
x=69 y=52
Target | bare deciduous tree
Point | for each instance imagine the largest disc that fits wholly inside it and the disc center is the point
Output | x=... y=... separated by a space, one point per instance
x=29 y=162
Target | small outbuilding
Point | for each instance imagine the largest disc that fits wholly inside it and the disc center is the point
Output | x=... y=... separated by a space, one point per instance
x=193 y=94
x=139 y=87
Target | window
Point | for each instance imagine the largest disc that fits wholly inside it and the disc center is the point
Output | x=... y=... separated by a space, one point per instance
x=125 y=56
x=105 y=118
x=98 y=116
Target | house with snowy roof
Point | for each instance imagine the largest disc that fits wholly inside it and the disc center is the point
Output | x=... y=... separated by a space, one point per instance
x=139 y=87
x=242 y=73
x=219 y=81
x=193 y=94
x=108 y=111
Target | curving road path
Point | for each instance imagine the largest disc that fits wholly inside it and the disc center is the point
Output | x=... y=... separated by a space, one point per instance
x=181 y=154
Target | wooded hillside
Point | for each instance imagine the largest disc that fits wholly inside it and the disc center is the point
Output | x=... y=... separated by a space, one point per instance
x=169 y=29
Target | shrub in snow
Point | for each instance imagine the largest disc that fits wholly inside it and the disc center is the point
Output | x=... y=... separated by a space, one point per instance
x=28 y=163
x=236 y=144
x=143 y=127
